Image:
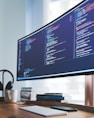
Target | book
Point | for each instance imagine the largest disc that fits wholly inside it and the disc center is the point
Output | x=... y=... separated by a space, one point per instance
x=50 y=97
x=60 y=94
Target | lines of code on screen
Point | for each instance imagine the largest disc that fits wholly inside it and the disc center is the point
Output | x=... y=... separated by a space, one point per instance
x=63 y=47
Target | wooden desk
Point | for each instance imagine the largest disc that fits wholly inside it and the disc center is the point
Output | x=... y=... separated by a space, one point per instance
x=9 y=110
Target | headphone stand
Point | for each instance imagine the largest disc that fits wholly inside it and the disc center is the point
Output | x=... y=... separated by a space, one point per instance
x=9 y=85
x=2 y=98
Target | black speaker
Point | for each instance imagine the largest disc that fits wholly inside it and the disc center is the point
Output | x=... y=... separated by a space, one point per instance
x=9 y=85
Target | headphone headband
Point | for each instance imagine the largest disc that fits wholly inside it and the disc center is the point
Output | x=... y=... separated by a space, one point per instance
x=5 y=70
x=10 y=83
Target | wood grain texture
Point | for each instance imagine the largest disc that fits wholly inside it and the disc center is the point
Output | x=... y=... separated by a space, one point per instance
x=9 y=110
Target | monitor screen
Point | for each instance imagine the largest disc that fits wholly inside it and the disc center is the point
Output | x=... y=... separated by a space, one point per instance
x=61 y=48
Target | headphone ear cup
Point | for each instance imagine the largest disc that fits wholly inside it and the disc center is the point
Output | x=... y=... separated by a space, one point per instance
x=8 y=86
x=1 y=86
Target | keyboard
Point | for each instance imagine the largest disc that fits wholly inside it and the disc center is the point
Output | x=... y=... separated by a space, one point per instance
x=44 y=111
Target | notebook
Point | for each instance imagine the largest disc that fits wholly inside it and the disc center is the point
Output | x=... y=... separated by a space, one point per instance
x=44 y=111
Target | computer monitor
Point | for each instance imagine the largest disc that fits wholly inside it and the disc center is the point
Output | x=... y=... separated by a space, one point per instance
x=63 y=47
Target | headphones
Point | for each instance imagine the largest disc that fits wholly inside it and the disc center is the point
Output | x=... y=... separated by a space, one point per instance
x=10 y=83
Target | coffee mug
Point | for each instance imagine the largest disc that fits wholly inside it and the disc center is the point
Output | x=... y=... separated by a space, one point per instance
x=11 y=96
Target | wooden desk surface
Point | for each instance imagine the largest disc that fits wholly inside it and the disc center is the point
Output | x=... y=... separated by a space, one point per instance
x=9 y=110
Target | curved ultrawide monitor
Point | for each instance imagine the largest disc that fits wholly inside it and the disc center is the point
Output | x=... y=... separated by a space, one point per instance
x=61 y=48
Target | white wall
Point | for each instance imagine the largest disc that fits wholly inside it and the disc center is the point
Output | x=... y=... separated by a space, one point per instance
x=1 y=32
x=12 y=27
x=16 y=20
x=34 y=15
